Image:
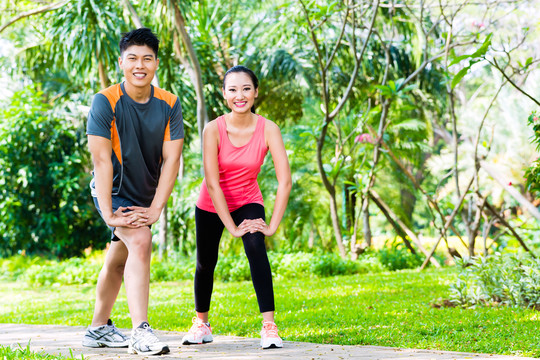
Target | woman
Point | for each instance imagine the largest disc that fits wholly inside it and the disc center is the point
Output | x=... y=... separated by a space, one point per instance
x=234 y=148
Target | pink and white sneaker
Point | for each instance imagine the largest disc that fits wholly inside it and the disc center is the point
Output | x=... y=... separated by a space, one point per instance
x=200 y=333
x=269 y=336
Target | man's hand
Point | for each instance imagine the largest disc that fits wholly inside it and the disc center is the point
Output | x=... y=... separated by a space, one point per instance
x=148 y=215
x=123 y=217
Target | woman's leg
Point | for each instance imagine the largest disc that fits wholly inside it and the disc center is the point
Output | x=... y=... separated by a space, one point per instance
x=209 y=229
x=261 y=274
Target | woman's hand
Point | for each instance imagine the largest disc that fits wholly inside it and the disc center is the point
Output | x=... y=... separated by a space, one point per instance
x=258 y=225
x=240 y=230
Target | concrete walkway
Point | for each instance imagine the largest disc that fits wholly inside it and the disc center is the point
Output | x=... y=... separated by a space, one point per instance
x=63 y=339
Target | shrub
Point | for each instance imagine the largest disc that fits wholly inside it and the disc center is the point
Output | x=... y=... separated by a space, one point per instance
x=38 y=272
x=508 y=279
x=397 y=257
x=44 y=175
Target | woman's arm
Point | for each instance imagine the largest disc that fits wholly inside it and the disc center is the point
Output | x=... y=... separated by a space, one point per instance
x=283 y=175
x=211 y=174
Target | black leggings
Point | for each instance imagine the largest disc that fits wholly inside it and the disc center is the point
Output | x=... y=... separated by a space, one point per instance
x=209 y=230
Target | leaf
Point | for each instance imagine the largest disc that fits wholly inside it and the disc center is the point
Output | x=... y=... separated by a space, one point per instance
x=483 y=49
x=457 y=78
x=459 y=59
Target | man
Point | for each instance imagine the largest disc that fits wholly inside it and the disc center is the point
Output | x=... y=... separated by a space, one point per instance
x=135 y=135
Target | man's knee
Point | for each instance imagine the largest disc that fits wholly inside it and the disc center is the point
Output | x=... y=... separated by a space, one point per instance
x=138 y=241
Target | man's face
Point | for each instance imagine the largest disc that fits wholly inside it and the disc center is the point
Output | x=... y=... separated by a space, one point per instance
x=139 y=64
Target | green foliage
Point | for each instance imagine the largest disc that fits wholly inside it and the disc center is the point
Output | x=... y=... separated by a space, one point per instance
x=473 y=58
x=20 y=353
x=508 y=279
x=532 y=174
x=46 y=207
x=40 y=272
x=397 y=257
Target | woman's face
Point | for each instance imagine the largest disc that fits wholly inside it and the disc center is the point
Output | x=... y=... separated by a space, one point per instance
x=239 y=92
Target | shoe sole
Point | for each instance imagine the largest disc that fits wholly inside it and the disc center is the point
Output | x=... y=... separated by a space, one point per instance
x=164 y=350
x=205 y=340
x=196 y=343
x=272 y=345
x=97 y=344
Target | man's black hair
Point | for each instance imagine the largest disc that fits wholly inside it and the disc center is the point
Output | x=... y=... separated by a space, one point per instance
x=140 y=37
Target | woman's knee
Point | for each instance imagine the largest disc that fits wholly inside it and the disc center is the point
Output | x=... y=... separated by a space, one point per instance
x=206 y=267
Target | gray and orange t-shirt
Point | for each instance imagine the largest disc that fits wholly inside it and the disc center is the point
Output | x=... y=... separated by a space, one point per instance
x=137 y=132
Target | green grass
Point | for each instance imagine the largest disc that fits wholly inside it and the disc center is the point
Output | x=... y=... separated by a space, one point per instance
x=20 y=353
x=387 y=309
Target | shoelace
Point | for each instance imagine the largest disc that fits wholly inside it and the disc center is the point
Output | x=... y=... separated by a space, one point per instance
x=149 y=337
x=115 y=331
x=198 y=323
x=270 y=329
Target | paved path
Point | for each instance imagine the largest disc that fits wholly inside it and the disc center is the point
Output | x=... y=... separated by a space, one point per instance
x=61 y=339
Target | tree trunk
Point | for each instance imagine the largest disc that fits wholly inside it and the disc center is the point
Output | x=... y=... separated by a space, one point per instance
x=311 y=238
x=399 y=231
x=162 y=242
x=193 y=68
x=365 y=219
x=330 y=188
x=103 y=78
x=335 y=224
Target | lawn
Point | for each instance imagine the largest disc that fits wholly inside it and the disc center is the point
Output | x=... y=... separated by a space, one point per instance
x=387 y=309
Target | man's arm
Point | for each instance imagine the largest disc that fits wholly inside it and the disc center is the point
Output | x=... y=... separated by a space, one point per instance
x=172 y=150
x=101 y=150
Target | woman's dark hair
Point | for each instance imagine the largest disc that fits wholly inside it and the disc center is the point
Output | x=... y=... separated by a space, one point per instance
x=140 y=37
x=243 y=69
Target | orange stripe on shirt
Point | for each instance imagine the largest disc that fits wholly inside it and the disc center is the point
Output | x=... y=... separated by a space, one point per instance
x=113 y=94
x=165 y=96
x=167 y=135
x=115 y=142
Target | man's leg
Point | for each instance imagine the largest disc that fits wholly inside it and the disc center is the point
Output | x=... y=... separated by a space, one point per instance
x=137 y=270
x=138 y=241
x=109 y=282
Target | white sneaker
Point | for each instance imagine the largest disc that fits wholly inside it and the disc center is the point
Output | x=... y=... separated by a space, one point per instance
x=144 y=342
x=269 y=336
x=105 y=336
x=200 y=333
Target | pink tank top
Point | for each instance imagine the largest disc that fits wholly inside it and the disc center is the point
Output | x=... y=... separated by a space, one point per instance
x=238 y=169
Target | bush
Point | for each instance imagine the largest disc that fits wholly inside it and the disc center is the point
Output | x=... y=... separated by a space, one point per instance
x=44 y=175
x=73 y=271
x=172 y=269
x=509 y=279
x=39 y=272
x=12 y=268
x=397 y=257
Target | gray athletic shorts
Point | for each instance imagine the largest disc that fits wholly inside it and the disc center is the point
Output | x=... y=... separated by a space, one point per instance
x=117 y=201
